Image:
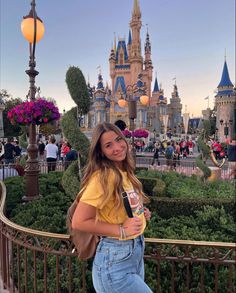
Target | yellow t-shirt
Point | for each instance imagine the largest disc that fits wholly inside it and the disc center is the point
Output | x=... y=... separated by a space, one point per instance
x=93 y=193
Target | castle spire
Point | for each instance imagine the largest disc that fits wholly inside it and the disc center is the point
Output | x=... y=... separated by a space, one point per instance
x=114 y=42
x=225 y=79
x=100 y=81
x=130 y=38
x=147 y=43
x=136 y=9
x=136 y=58
x=156 y=87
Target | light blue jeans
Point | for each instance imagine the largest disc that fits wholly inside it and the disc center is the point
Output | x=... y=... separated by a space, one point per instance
x=118 y=266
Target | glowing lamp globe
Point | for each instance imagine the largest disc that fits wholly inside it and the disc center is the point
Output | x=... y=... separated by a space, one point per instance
x=122 y=103
x=27 y=29
x=144 y=100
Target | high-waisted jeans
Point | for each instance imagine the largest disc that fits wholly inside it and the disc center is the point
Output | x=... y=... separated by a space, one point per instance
x=118 y=266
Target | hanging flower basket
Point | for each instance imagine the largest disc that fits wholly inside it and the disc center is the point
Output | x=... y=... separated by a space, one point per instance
x=127 y=133
x=36 y=112
x=138 y=133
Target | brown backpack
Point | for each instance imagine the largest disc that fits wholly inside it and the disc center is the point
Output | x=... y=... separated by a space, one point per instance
x=85 y=243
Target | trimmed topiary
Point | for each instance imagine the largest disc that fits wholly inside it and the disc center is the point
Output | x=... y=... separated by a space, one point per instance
x=71 y=180
x=160 y=188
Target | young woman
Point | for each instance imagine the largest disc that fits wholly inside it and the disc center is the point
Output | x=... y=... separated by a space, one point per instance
x=118 y=264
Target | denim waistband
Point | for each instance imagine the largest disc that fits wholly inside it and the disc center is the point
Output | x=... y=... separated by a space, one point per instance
x=110 y=239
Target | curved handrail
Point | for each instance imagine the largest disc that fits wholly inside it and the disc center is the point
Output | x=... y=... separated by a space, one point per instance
x=11 y=224
x=6 y=221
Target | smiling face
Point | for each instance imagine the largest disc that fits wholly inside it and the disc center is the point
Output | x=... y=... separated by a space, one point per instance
x=113 y=146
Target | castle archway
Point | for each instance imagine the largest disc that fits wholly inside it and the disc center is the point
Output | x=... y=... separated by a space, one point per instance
x=121 y=124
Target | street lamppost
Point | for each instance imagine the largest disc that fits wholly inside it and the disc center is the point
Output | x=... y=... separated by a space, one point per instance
x=32 y=29
x=185 y=121
x=226 y=126
x=129 y=98
x=165 y=118
x=154 y=135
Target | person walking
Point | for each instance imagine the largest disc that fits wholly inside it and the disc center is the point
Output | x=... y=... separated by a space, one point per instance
x=51 y=154
x=231 y=152
x=118 y=264
x=9 y=151
x=41 y=149
x=156 y=154
x=169 y=154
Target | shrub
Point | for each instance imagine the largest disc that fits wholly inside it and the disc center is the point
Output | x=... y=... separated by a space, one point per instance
x=167 y=208
x=160 y=188
x=71 y=180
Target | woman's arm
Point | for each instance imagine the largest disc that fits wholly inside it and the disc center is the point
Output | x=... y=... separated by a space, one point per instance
x=84 y=219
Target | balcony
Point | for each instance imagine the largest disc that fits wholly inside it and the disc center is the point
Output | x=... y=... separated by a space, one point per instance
x=36 y=261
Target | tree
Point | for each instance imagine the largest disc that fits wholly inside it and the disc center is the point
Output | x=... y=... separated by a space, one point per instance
x=78 y=90
x=73 y=134
x=9 y=102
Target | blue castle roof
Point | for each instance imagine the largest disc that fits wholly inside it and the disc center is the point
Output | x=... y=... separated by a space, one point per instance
x=100 y=82
x=225 y=93
x=156 y=87
x=130 y=38
x=121 y=44
x=225 y=80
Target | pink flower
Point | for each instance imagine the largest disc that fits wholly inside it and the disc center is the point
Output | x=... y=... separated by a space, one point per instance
x=36 y=112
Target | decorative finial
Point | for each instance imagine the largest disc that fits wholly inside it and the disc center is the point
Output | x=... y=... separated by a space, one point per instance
x=99 y=69
x=225 y=54
x=115 y=42
x=147 y=27
x=174 y=80
x=155 y=74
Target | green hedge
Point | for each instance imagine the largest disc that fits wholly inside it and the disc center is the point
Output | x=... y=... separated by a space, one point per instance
x=173 y=207
x=203 y=219
x=180 y=186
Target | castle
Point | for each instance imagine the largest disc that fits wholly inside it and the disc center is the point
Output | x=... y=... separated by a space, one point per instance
x=128 y=68
x=225 y=103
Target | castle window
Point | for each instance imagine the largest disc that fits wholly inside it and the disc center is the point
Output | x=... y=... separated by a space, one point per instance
x=121 y=58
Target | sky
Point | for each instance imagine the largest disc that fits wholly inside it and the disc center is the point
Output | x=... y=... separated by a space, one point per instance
x=189 y=39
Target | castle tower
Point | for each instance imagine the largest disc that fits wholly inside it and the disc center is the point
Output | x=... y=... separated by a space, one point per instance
x=136 y=59
x=152 y=111
x=225 y=102
x=100 y=102
x=175 y=108
x=148 y=68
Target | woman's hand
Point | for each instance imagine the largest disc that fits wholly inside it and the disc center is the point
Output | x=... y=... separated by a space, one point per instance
x=147 y=214
x=132 y=226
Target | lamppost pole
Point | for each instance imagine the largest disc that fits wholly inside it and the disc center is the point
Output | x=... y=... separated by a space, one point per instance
x=132 y=116
x=129 y=97
x=32 y=166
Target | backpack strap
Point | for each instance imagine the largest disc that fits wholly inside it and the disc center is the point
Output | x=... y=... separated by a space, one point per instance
x=126 y=203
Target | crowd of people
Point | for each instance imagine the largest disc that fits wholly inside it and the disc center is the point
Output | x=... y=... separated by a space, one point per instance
x=172 y=151
x=48 y=150
x=51 y=151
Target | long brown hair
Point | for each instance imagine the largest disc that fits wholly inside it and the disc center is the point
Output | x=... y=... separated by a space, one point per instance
x=97 y=161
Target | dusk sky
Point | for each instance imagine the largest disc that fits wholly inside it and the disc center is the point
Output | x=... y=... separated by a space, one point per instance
x=189 y=39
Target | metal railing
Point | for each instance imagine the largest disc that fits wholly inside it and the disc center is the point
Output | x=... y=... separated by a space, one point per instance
x=9 y=170
x=186 y=167
x=36 y=261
